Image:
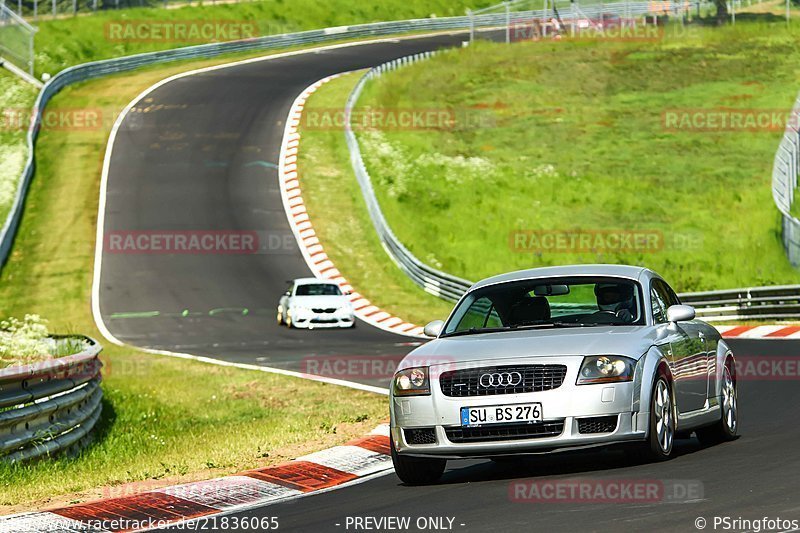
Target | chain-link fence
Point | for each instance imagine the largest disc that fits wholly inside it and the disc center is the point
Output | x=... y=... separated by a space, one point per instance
x=535 y=19
x=16 y=39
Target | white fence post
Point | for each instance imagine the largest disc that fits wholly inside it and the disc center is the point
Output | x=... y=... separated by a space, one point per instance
x=508 y=22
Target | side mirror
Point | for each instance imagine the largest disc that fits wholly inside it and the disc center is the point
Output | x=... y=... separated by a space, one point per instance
x=288 y=293
x=434 y=328
x=680 y=313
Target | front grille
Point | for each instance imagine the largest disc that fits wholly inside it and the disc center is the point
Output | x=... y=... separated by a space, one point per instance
x=536 y=430
x=319 y=310
x=597 y=424
x=533 y=378
x=420 y=435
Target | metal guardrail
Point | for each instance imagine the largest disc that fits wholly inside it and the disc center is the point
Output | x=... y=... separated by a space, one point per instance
x=434 y=281
x=784 y=184
x=49 y=406
x=757 y=303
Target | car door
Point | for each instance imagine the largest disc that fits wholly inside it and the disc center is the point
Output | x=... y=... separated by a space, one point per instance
x=689 y=355
x=705 y=341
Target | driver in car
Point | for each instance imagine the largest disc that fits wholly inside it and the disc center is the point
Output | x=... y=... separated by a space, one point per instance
x=616 y=299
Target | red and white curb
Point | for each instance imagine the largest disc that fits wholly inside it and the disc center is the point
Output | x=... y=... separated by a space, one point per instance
x=312 y=250
x=760 y=332
x=334 y=467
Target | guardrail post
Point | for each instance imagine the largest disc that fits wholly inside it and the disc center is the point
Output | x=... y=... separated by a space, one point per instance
x=573 y=21
x=508 y=22
x=32 y=58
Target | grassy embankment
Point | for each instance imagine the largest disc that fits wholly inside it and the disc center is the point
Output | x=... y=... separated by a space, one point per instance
x=67 y=41
x=576 y=136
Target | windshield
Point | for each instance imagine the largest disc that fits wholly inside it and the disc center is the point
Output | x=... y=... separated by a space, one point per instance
x=318 y=289
x=551 y=302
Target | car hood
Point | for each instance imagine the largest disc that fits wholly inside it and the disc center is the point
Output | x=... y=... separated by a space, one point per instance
x=321 y=301
x=632 y=341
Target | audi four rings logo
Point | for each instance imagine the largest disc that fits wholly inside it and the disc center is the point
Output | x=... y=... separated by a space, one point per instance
x=500 y=379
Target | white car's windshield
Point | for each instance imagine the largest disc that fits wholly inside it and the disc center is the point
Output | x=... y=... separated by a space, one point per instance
x=318 y=289
x=552 y=302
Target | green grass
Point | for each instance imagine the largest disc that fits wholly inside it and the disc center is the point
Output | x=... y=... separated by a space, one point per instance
x=165 y=420
x=68 y=41
x=576 y=141
x=18 y=99
x=330 y=191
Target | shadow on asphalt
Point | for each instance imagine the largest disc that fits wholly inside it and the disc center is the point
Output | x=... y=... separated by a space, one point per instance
x=555 y=464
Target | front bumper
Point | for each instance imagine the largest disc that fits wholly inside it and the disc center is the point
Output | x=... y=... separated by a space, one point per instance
x=339 y=319
x=563 y=405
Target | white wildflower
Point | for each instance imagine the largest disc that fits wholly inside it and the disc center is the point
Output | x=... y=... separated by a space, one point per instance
x=24 y=341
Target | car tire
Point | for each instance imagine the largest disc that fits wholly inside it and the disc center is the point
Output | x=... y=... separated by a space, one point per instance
x=417 y=470
x=289 y=323
x=661 y=434
x=727 y=427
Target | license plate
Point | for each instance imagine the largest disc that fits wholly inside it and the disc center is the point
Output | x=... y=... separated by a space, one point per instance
x=501 y=414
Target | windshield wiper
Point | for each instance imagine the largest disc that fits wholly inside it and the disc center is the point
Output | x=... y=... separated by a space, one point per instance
x=558 y=324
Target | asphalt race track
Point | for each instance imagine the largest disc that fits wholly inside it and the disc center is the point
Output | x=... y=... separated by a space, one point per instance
x=199 y=153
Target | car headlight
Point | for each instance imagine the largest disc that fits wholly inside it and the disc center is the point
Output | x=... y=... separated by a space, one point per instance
x=412 y=382
x=606 y=369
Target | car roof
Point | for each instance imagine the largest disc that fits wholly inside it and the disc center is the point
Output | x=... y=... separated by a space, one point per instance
x=621 y=271
x=308 y=281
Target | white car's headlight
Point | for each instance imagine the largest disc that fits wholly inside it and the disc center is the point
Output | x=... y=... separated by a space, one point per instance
x=606 y=369
x=412 y=382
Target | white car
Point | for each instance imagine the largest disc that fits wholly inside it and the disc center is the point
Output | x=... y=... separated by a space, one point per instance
x=315 y=303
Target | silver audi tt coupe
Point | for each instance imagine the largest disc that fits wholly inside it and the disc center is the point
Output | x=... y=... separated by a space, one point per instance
x=561 y=357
